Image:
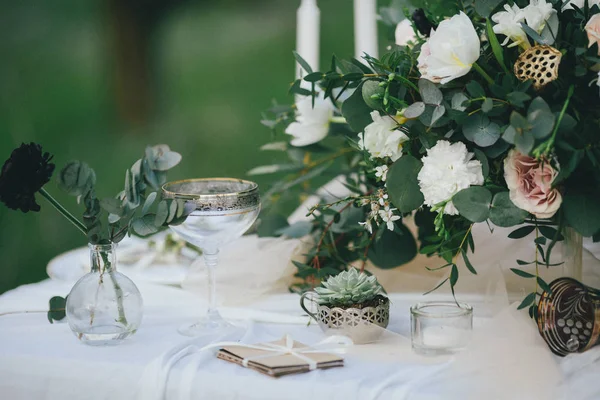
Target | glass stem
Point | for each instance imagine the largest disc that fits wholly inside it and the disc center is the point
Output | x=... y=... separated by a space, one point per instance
x=211 y=259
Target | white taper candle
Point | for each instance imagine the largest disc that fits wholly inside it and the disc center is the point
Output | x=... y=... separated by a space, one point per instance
x=365 y=28
x=308 y=18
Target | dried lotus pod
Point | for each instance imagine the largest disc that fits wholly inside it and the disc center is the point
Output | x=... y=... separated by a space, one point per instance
x=538 y=64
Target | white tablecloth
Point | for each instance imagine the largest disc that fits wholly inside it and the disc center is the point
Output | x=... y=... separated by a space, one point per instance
x=507 y=358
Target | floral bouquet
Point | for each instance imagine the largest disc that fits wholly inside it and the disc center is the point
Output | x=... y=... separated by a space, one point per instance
x=483 y=112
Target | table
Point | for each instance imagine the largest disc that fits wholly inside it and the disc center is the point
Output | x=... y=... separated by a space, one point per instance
x=507 y=358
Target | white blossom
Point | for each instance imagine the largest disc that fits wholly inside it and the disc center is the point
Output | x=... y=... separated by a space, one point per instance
x=312 y=124
x=405 y=33
x=447 y=169
x=368 y=225
x=388 y=216
x=450 y=51
x=381 y=138
x=537 y=14
x=508 y=23
x=381 y=172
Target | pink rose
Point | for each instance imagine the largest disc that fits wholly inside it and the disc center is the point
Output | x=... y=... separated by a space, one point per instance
x=530 y=184
x=593 y=31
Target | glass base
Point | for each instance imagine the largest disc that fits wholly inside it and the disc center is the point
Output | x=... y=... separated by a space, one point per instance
x=436 y=351
x=209 y=325
x=104 y=335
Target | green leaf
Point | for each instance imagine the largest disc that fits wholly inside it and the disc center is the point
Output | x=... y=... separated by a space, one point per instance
x=356 y=111
x=76 y=178
x=521 y=232
x=479 y=129
x=430 y=92
x=496 y=47
x=485 y=7
x=393 y=248
x=414 y=110
x=57 y=309
x=303 y=63
x=473 y=203
x=475 y=89
x=172 y=210
x=527 y=301
x=582 y=212
x=272 y=169
x=112 y=205
x=148 y=202
x=550 y=232
x=544 y=285
x=468 y=262
x=373 y=94
x=144 y=226
x=402 y=184
x=314 y=77
x=522 y=273
x=518 y=99
x=485 y=165
x=504 y=213
x=160 y=158
x=521 y=262
x=458 y=101
x=437 y=287
x=541 y=118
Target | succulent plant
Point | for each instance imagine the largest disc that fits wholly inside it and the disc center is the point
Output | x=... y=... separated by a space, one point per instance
x=348 y=288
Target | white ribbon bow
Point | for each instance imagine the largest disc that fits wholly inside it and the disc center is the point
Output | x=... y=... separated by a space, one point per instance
x=333 y=344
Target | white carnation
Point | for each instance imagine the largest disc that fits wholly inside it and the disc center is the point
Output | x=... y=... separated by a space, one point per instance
x=312 y=123
x=382 y=138
x=447 y=169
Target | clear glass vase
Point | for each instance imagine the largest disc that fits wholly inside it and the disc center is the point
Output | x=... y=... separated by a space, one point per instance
x=104 y=307
x=572 y=254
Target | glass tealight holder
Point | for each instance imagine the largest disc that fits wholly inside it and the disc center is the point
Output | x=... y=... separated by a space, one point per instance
x=440 y=327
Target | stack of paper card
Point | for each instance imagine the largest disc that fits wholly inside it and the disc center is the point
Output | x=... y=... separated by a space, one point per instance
x=276 y=364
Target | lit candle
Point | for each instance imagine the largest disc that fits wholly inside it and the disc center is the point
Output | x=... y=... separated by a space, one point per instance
x=365 y=28
x=308 y=20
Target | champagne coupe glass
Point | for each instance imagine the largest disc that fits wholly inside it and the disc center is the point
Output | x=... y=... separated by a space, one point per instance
x=224 y=208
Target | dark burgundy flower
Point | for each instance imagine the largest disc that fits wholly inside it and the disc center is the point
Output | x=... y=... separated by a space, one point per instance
x=24 y=174
x=422 y=23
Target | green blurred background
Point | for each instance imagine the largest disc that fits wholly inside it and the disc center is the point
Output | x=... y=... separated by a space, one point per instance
x=98 y=80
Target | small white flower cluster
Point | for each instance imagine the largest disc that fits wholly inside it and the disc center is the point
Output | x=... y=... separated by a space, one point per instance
x=508 y=22
x=380 y=212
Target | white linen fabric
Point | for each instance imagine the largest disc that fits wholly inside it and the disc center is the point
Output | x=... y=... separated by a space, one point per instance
x=507 y=358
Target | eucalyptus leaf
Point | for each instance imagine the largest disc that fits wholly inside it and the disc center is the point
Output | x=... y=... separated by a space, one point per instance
x=414 y=110
x=393 y=248
x=458 y=101
x=356 y=112
x=162 y=213
x=504 y=213
x=582 y=212
x=296 y=230
x=473 y=203
x=144 y=226
x=403 y=187
x=148 y=202
x=76 y=178
x=430 y=92
x=479 y=129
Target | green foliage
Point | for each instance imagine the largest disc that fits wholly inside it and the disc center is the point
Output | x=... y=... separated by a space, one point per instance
x=393 y=249
x=402 y=184
x=57 y=308
x=110 y=219
x=473 y=203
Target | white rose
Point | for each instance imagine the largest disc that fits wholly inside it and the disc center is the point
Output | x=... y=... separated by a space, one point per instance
x=312 y=124
x=382 y=138
x=405 y=34
x=508 y=23
x=447 y=169
x=451 y=50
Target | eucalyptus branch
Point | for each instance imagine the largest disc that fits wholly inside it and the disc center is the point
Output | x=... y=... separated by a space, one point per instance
x=546 y=147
